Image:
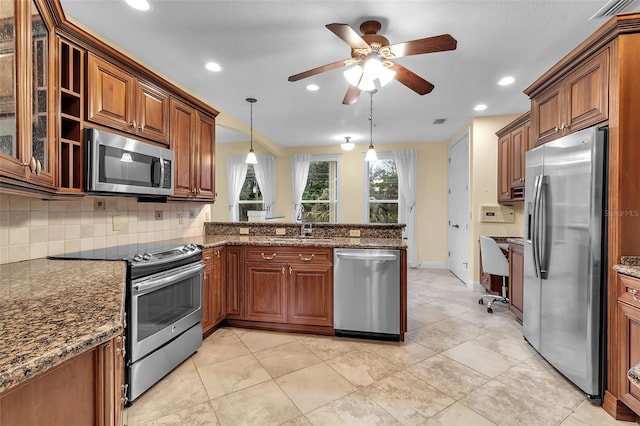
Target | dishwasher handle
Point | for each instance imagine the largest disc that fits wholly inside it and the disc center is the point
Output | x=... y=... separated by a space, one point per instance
x=380 y=257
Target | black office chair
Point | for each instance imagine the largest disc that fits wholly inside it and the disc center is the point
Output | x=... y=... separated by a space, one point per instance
x=494 y=262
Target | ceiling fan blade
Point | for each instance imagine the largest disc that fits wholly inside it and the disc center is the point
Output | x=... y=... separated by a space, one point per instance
x=348 y=35
x=351 y=97
x=318 y=70
x=412 y=80
x=424 y=45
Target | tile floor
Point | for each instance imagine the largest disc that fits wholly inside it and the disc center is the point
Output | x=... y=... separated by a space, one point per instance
x=458 y=366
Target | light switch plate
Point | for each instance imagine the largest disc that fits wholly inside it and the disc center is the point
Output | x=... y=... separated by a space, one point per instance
x=354 y=232
x=244 y=231
x=281 y=231
x=116 y=223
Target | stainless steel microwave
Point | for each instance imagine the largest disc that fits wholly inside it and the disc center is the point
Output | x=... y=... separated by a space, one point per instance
x=124 y=166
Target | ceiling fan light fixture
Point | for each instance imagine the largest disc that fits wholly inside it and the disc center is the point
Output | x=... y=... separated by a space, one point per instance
x=251 y=156
x=386 y=75
x=139 y=4
x=347 y=145
x=353 y=75
x=367 y=85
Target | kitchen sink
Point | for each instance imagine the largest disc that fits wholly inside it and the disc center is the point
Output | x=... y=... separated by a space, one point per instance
x=300 y=239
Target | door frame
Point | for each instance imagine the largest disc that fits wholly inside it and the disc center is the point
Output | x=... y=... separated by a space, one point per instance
x=465 y=138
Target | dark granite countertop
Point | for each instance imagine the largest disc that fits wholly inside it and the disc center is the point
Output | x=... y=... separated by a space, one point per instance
x=53 y=310
x=629 y=265
x=296 y=241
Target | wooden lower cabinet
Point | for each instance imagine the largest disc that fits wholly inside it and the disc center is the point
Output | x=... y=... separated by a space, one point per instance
x=628 y=312
x=265 y=292
x=516 y=279
x=85 y=390
x=310 y=295
x=213 y=288
x=234 y=272
x=207 y=297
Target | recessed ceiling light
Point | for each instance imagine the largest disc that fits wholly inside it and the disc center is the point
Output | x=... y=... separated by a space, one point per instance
x=212 y=66
x=139 y=4
x=505 y=81
x=480 y=107
x=313 y=87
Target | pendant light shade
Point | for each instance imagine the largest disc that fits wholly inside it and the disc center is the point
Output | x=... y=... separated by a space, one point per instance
x=251 y=156
x=371 y=152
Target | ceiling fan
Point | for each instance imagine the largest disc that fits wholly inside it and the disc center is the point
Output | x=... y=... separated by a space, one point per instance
x=371 y=57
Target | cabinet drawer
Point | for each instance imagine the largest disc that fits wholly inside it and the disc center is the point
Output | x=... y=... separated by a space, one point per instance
x=307 y=255
x=629 y=290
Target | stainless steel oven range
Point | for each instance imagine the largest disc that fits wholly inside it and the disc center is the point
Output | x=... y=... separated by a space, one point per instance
x=163 y=305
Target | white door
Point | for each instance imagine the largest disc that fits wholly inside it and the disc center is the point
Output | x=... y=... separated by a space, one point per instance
x=458 y=208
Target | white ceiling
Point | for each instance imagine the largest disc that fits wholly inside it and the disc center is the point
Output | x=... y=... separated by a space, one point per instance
x=259 y=43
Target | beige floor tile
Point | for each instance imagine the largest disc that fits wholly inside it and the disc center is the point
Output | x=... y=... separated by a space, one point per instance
x=451 y=309
x=220 y=347
x=286 y=358
x=298 y=421
x=314 y=386
x=507 y=344
x=506 y=405
x=448 y=376
x=263 y=404
x=232 y=375
x=426 y=314
x=328 y=347
x=181 y=389
x=407 y=398
x=363 y=367
x=198 y=415
x=261 y=340
x=353 y=410
x=402 y=353
x=543 y=383
x=458 y=415
x=482 y=359
x=594 y=415
x=445 y=334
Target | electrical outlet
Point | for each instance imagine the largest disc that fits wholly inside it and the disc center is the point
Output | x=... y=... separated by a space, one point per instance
x=192 y=214
x=159 y=214
x=180 y=218
x=99 y=204
x=281 y=231
x=354 y=232
x=244 y=231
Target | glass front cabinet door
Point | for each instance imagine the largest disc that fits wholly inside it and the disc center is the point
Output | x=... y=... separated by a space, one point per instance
x=26 y=142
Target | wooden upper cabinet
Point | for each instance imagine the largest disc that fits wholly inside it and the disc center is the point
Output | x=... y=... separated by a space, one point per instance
x=118 y=100
x=193 y=145
x=518 y=148
x=503 y=168
x=183 y=129
x=577 y=101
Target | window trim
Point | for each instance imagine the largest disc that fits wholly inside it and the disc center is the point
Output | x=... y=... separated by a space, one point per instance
x=386 y=155
x=330 y=157
x=240 y=202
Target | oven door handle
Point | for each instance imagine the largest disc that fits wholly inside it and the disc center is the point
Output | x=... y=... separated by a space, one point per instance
x=165 y=280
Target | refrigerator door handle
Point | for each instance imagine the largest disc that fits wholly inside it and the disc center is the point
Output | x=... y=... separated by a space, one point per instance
x=543 y=258
x=535 y=225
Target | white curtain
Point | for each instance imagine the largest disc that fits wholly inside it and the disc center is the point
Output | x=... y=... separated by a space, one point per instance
x=299 y=174
x=406 y=165
x=266 y=176
x=236 y=174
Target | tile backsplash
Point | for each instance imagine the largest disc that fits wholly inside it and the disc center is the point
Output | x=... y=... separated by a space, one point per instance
x=31 y=228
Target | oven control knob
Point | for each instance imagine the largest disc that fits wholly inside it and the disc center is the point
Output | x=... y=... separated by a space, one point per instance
x=185 y=250
x=192 y=247
x=137 y=258
x=146 y=256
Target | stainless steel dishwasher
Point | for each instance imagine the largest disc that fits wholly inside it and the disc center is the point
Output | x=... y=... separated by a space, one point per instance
x=366 y=293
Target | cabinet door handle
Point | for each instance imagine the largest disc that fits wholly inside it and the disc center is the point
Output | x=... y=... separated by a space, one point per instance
x=217 y=253
x=306 y=259
x=124 y=398
x=283 y=269
x=38 y=167
x=290 y=270
x=557 y=129
x=634 y=293
x=267 y=257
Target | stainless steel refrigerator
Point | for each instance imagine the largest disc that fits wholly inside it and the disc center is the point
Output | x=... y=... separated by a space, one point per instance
x=563 y=315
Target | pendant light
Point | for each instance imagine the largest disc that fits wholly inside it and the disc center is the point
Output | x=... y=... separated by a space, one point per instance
x=371 y=152
x=251 y=156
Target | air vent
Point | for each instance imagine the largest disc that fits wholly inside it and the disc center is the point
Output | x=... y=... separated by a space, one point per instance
x=613 y=7
x=439 y=120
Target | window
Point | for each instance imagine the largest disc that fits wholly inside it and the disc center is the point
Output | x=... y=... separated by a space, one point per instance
x=382 y=190
x=250 y=195
x=320 y=196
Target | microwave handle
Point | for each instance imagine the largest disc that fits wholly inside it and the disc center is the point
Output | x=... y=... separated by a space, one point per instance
x=157 y=171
